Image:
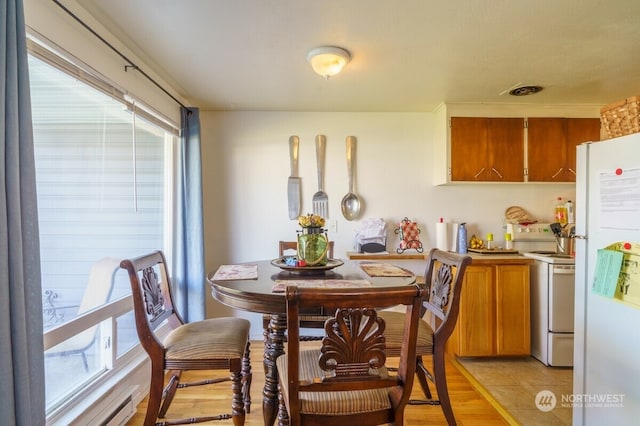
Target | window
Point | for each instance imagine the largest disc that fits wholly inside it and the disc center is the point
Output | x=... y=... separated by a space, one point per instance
x=103 y=178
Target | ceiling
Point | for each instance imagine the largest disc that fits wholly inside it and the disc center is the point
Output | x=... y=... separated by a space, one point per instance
x=407 y=55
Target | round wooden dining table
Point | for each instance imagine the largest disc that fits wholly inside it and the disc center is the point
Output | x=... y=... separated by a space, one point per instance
x=257 y=295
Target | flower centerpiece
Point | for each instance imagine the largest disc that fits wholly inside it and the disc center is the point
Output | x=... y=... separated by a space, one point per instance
x=312 y=240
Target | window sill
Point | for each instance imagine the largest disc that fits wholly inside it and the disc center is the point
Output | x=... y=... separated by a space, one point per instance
x=98 y=403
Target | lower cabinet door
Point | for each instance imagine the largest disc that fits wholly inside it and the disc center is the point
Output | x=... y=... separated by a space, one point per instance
x=494 y=318
x=475 y=326
x=513 y=317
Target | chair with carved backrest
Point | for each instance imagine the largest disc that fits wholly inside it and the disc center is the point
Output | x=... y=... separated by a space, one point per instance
x=444 y=276
x=212 y=344
x=308 y=321
x=346 y=380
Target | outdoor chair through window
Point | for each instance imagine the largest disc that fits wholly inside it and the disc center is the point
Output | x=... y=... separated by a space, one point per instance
x=97 y=293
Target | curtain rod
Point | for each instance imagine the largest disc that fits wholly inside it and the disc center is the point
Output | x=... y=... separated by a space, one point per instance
x=130 y=64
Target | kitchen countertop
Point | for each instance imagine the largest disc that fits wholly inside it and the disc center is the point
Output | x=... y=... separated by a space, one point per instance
x=410 y=255
x=487 y=259
x=417 y=261
x=477 y=258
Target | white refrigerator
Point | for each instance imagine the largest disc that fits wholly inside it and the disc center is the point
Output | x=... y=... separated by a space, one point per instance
x=606 y=383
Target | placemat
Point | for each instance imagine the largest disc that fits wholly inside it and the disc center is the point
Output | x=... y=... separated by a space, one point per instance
x=281 y=285
x=384 y=270
x=236 y=272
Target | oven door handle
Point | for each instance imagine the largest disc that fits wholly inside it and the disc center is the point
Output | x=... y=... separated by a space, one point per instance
x=564 y=270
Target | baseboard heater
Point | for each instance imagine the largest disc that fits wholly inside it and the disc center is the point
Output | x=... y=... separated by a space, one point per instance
x=112 y=410
x=120 y=414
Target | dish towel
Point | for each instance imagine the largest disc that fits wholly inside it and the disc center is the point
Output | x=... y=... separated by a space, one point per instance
x=236 y=272
x=384 y=270
x=281 y=285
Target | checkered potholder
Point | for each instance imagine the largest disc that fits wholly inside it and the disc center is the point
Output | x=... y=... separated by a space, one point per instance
x=410 y=235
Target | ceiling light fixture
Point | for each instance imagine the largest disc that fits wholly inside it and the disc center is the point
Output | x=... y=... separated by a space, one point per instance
x=328 y=60
x=525 y=90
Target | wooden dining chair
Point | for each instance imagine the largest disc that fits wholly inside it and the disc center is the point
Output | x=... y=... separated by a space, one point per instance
x=212 y=344
x=308 y=321
x=443 y=277
x=346 y=380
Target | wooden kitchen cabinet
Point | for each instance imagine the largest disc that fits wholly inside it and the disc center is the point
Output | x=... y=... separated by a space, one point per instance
x=513 y=313
x=487 y=149
x=494 y=317
x=475 y=330
x=467 y=149
x=551 y=146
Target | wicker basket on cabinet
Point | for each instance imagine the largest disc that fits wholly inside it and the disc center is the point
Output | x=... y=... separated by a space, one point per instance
x=622 y=117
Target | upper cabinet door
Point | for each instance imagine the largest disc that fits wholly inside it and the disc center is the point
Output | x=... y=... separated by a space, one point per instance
x=580 y=130
x=551 y=146
x=487 y=149
x=546 y=149
x=469 y=138
x=506 y=149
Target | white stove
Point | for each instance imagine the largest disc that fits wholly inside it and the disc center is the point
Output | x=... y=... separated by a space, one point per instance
x=552 y=294
x=537 y=241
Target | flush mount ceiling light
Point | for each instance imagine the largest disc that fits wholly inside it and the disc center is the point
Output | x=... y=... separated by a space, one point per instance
x=525 y=90
x=328 y=60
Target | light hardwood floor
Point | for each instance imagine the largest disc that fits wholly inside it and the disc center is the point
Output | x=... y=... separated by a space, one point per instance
x=470 y=406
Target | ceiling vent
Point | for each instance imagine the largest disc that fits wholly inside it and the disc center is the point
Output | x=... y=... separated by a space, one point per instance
x=525 y=90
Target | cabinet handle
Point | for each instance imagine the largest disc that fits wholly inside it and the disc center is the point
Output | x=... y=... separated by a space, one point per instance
x=496 y=172
x=572 y=171
x=557 y=173
x=479 y=173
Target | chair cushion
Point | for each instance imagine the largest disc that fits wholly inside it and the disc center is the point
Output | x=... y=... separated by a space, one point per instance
x=328 y=403
x=208 y=339
x=394 y=330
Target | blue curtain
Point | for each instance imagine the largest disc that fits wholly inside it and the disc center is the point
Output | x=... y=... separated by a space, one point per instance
x=22 y=397
x=188 y=259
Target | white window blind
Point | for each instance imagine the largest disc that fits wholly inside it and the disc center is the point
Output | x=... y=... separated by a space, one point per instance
x=103 y=172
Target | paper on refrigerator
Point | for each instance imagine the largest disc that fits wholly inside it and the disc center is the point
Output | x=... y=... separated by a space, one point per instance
x=626 y=273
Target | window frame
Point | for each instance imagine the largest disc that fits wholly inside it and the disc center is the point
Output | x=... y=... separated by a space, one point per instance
x=88 y=402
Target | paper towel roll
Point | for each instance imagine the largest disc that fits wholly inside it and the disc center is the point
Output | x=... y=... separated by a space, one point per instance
x=442 y=236
x=454 y=237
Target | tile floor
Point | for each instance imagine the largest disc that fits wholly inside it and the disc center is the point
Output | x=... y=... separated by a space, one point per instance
x=515 y=382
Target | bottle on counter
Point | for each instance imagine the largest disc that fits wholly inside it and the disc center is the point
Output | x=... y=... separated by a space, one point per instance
x=462 y=238
x=508 y=241
x=490 y=245
x=560 y=215
x=571 y=218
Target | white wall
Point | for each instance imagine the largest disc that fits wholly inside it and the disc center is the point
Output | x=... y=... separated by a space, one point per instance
x=246 y=165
